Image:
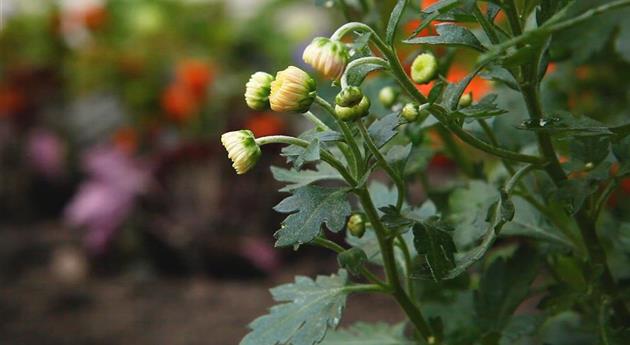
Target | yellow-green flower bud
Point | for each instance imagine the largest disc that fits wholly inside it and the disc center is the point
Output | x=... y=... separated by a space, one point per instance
x=257 y=91
x=327 y=57
x=242 y=149
x=292 y=90
x=351 y=104
x=356 y=224
x=465 y=100
x=424 y=68
x=410 y=112
x=388 y=96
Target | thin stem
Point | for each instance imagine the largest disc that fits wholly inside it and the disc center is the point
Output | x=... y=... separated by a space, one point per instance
x=367 y=274
x=400 y=243
x=365 y=288
x=362 y=61
x=603 y=197
x=398 y=181
x=316 y=121
x=485 y=24
x=389 y=262
x=325 y=155
x=493 y=140
x=347 y=134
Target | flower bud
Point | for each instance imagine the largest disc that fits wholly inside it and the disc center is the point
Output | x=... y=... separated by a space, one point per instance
x=410 y=112
x=242 y=149
x=465 y=100
x=292 y=90
x=388 y=96
x=356 y=224
x=424 y=68
x=257 y=91
x=327 y=57
x=351 y=104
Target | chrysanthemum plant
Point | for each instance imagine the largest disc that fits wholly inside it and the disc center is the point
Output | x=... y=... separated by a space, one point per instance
x=509 y=251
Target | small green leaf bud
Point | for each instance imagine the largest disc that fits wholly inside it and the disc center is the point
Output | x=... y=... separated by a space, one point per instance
x=351 y=104
x=388 y=96
x=410 y=112
x=465 y=100
x=424 y=68
x=356 y=224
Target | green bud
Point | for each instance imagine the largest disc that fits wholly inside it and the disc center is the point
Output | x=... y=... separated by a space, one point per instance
x=351 y=104
x=356 y=224
x=257 y=91
x=465 y=100
x=388 y=96
x=410 y=112
x=424 y=68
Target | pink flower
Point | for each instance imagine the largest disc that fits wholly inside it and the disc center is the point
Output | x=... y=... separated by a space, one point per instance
x=45 y=153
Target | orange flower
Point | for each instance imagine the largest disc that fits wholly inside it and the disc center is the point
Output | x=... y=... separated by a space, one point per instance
x=263 y=124
x=11 y=100
x=95 y=18
x=126 y=139
x=194 y=74
x=478 y=86
x=179 y=103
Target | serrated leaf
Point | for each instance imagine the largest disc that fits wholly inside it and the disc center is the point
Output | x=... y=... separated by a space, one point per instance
x=394 y=18
x=571 y=194
x=432 y=239
x=503 y=286
x=589 y=149
x=564 y=124
x=384 y=129
x=483 y=109
x=300 y=178
x=298 y=155
x=313 y=206
x=369 y=334
x=313 y=308
x=450 y=35
x=357 y=74
x=352 y=260
x=500 y=74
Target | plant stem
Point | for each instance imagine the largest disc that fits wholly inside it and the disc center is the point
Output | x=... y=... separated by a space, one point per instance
x=398 y=181
x=367 y=274
x=325 y=155
x=456 y=153
x=365 y=288
x=316 y=121
x=389 y=261
x=347 y=134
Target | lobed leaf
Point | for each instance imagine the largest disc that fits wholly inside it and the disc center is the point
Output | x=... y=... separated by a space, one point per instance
x=450 y=35
x=369 y=334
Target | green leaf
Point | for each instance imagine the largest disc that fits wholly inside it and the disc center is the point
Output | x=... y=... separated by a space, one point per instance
x=352 y=259
x=298 y=155
x=384 y=129
x=483 y=109
x=314 y=307
x=357 y=74
x=450 y=35
x=500 y=74
x=571 y=194
x=565 y=124
x=394 y=18
x=300 y=178
x=315 y=206
x=519 y=327
x=621 y=150
x=433 y=240
x=454 y=91
x=503 y=286
x=622 y=45
x=369 y=334
x=433 y=12
x=589 y=149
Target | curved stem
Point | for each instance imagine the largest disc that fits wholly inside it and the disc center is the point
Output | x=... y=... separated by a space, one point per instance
x=316 y=121
x=347 y=134
x=400 y=242
x=398 y=181
x=367 y=274
x=361 y=61
x=325 y=155
x=389 y=261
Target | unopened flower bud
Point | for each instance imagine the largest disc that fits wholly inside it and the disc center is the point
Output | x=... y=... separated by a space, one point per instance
x=242 y=149
x=292 y=90
x=465 y=100
x=410 y=112
x=257 y=91
x=351 y=104
x=424 y=68
x=356 y=224
x=327 y=57
x=388 y=96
